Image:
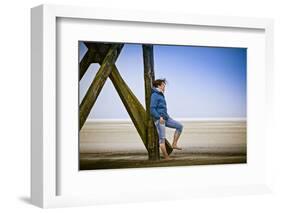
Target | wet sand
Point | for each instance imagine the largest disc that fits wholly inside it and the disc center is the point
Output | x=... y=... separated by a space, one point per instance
x=119 y=160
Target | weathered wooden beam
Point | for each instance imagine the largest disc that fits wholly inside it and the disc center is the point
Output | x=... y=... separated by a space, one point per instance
x=152 y=142
x=86 y=61
x=95 y=54
x=131 y=103
x=98 y=82
x=148 y=74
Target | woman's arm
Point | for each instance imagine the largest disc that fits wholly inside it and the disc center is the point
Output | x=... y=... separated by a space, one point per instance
x=153 y=106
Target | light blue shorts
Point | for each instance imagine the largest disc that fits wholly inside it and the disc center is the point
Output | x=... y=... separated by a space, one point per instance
x=161 y=128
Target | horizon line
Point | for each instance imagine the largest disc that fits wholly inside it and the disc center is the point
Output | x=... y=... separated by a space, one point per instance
x=180 y=119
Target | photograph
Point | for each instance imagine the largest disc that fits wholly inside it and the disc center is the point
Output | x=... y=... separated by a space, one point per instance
x=162 y=104
x=147 y=105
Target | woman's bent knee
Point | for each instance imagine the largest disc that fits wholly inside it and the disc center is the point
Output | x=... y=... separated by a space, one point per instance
x=180 y=128
x=161 y=140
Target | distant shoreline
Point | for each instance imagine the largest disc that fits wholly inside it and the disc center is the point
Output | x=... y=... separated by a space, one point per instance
x=179 y=119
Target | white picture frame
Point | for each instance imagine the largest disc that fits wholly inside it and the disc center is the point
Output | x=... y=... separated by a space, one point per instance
x=45 y=166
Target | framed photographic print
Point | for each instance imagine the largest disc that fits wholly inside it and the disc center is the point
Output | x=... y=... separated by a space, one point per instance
x=150 y=106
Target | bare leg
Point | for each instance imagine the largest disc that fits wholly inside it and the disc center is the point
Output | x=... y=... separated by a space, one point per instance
x=176 y=138
x=164 y=151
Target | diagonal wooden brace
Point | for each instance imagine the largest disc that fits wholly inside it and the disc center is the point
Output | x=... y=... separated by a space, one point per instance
x=98 y=82
x=86 y=61
x=131 y=103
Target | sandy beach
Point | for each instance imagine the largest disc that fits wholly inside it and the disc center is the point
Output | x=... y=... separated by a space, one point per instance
x=116 y=144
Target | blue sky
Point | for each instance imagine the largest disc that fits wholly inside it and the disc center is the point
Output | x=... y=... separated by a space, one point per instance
x=203 y=82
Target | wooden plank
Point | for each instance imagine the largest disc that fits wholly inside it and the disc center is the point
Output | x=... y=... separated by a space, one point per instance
x=98 y=82
x=152 y=138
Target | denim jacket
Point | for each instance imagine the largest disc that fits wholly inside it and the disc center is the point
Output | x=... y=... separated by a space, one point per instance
x=158 y=106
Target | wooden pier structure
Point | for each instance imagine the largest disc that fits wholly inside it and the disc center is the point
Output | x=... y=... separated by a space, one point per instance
x=106 y=54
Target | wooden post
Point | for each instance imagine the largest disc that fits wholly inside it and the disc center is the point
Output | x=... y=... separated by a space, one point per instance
x=98 y=82
x=152 y=139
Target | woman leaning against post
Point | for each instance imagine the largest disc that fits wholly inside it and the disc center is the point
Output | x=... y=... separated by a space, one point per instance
x=161 y=118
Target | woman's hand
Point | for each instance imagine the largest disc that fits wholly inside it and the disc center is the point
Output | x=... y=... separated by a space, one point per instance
x=162 y=121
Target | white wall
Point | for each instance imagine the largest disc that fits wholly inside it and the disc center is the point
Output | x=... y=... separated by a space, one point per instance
x=15 y=96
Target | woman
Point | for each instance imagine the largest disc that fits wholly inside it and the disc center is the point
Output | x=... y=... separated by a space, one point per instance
x=161 y=118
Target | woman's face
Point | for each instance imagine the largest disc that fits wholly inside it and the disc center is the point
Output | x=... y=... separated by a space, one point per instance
x=162 y=87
